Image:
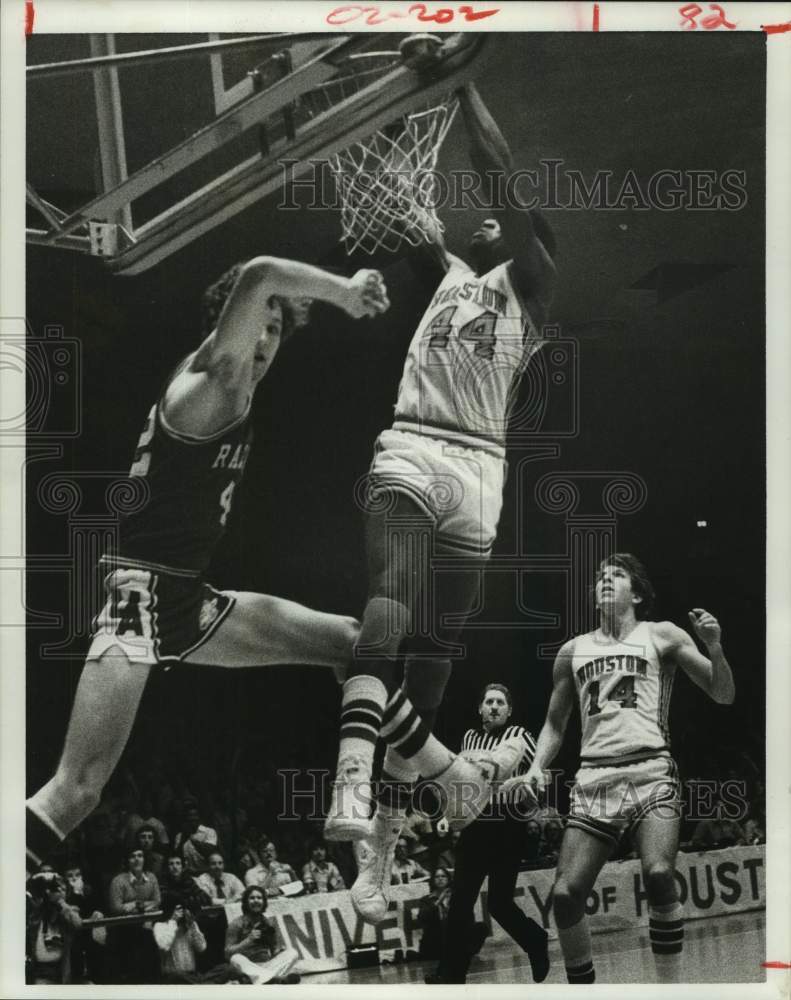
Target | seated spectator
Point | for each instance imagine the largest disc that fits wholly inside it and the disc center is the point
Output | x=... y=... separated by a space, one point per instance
x=87 y=953
x=406 y=869
x=177 y=882
x=51 y=926
x=195 y=841
x=132 y=951
x=222 y=886
x=252 y=944
x=714 y=833
x=143 y=816
x=134 y=890
x=433 y=915
x=271 y=874
x=180 y=941
x=445 y=846
x=319 y=874
x=146 y=840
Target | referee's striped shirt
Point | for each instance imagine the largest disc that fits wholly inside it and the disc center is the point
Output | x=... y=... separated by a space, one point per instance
x=479 y=739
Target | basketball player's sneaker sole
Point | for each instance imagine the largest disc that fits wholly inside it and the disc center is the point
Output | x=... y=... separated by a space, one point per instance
x=374 y=855
x=350 y=808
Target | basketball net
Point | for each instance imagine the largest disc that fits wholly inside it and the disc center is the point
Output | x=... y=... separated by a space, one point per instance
x=387 y=183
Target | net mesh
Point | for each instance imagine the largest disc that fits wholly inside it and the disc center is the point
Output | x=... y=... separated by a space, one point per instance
x=388 y=184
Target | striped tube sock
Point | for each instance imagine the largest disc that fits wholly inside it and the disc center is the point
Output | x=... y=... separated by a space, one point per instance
x=397 y=783
x=666 y=931
x=364 y=699
x=42 y=834
x=575 y=943
x=411 y=739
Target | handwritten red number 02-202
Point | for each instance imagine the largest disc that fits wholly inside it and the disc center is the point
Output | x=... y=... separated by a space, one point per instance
x=373 y=16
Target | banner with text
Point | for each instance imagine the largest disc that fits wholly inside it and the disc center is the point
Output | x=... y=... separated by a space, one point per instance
x=323 y=926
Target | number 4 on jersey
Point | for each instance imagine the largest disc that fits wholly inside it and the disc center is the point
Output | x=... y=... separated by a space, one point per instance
x=623 y=692
x=479 y=330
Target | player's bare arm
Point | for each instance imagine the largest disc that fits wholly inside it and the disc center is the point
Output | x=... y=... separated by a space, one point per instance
x=712 y=673
x=550 y=738
x=215 y=386
x=533 y=267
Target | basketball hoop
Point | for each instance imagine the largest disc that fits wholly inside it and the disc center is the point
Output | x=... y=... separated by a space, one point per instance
x=387 y=184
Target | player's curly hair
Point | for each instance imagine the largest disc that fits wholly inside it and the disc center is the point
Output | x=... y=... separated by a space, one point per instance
x=496 y=687
x=216 y=295
x=641 y=584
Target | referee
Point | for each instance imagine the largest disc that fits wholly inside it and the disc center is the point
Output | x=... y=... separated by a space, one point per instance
x=491 y=845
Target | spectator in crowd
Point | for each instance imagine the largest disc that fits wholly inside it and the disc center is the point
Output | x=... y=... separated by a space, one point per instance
x=87 y=953
x=143 y=816
x=319 y=874
x=252 y=945
x=406 y=869
x=179 y=883
x=271 y=874
x=146 y=840
x=433 y=916
x=180 y=941
x=134 y=890
x=195 y=841
x=445 y=846
x=714 y=833
x=51 y=927
x=222 y=886
x=132 y=952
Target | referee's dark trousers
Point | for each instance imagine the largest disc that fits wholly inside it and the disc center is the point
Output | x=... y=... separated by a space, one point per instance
x=491 y=845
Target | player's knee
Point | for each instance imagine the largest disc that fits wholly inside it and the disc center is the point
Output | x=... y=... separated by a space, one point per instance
x=82 y=786
x=568 y=899
x=346 y=633
x=660 y=881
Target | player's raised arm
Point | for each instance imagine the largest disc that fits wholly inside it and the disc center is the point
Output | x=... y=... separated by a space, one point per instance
x=550 y=738
x=712 y=673
x=490 y=154
x=239 y=326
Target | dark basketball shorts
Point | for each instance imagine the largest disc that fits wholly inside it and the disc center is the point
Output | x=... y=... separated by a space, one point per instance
x=156 y=614
x=608 y=800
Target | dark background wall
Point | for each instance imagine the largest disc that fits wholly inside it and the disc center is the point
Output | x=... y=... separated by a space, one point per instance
x=671 y=386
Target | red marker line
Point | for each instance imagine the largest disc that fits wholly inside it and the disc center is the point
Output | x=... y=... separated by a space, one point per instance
x=776 y=29
x=595 y=17
x=30 y=14
x=776 y=965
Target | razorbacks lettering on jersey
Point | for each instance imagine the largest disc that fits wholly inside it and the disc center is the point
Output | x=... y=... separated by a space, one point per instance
x=624 y=694
x=465 y=360
x=191 y=484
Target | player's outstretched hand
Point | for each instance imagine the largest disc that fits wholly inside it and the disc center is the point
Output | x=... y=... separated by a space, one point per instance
x=706 y=626
x=529 y=785
x=366 y=294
